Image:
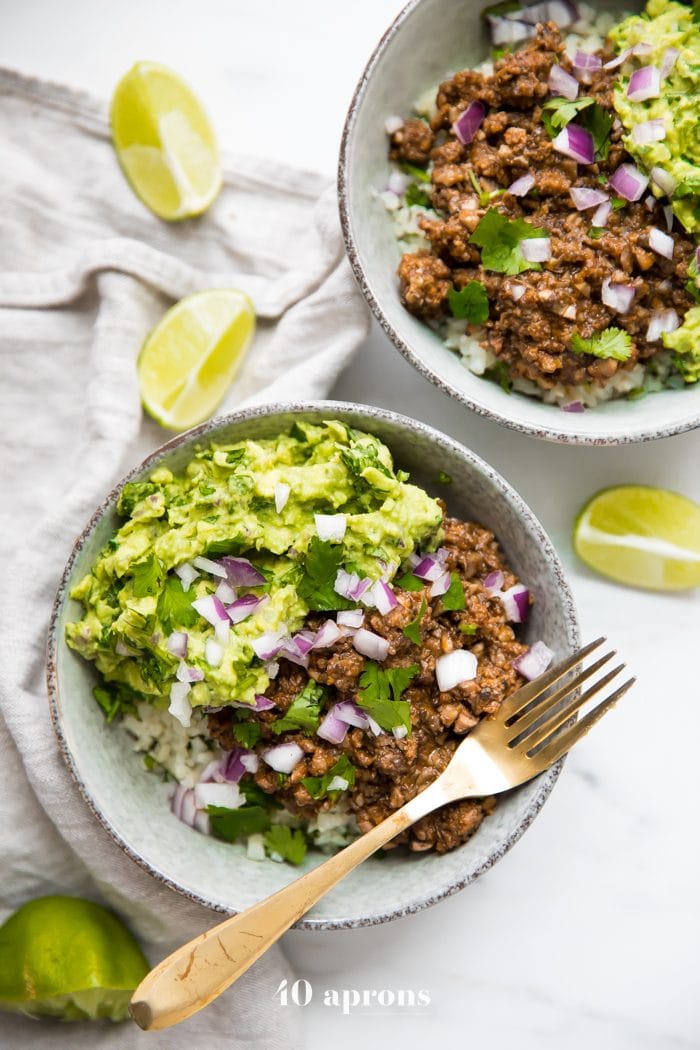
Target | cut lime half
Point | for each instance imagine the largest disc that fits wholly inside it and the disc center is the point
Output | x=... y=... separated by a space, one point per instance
x=642 y=536
x=164 y=142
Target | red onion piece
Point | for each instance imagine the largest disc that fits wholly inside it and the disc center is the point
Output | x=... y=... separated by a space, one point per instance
x=371 y=645
x=212 y=567
x=536 y=249
x=250 y=762
x=351 y=618
x=211 y=609
x=384 y=597
x=517 y=291
x=332 y=728
x=232 y=769
x=261 y=703
x=521 y=186
x=562 y=83
x=615 y=62
x=225 y=592
x=575 y=142
x=468 y=123
x=584 y=197
x=212 y=794
x=668 y=216
x=494 y=581
x=268 y=644
x=516 y=601
x=664 y=180
x=185 y=673
x=574 y=406
x=331 y=527
x=602 y=214
x=351 y=714
x=244 y=607
x=563 y=12
x=454 y=668
x=241 y=572
x=177 y=644
x=586 y=64
x=429 y=568
x=668 y=61
x=617 y=296
x=441 y=585
x=349 y=585
x=282 y=492
x=183 y=806
x=327 y=635
x=283 y=758
x=187 y=573
x=180 y=707
x=644 y=83
x=392 y=124
x=507 y=30
x=661 y=321
x=629 y=182
x=661 y=243
x=398 y=182
x=649 y=131
x=534 y=662
x=213 y=652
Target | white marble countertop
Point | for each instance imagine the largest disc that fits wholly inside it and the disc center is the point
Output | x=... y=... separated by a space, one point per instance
x=586 y=934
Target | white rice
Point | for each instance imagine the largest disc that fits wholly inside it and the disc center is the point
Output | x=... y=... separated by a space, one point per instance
x=588 y=34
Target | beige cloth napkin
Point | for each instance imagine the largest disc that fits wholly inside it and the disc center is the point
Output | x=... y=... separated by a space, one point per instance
x=85 y=272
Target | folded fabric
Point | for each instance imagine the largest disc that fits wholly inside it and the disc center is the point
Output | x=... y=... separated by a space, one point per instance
x=85 y=272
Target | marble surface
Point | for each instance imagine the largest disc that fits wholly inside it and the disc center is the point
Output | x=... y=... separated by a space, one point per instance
x=587 y=933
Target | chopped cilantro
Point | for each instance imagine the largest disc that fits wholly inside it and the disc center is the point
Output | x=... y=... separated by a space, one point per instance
x=453 y=599
x=558 y=112
x=235 y=455
x=468 y=628
x=146 y=576
x=595 y=232
x=174 y=608
x=598 y=121
x=498 y=373
x=218 y=548
x=612 y=342
x=304 y=712
x=444 y=478
x=378 y=685
x=417 y=173
x=109 y=703
x=318 y=786
x=500 y=52
x=323 y=560
x=617 y=203
x=412 y=629
x=206 y=490
x=247 y=734
x=470 y=303
x=409 y=582
x=287 y=844
x=499 y=239
x=503 y=7
x=636 y=394
x=132 y=493
x=231 y=824
x=415 y=195
x=255 y=796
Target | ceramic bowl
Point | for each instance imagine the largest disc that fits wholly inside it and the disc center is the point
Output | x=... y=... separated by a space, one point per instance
x=429 y=40
x=132 y=804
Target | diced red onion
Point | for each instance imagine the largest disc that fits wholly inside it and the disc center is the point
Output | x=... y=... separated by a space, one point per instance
x=260 y=703
x=213 y=652
x=454 y=668
x=327 y=634
x=384 y=597
x=241 y=572
x=536 y=249
x=629 y=182
x=272 y=669
x=291 y=653
x=183 y=806
x=187 y=573
x=574 y=406
x=211 y=609
x=338 y=784
x=283 y=758
x=186 y=673
x=644 y=83
x=668 y=216
x=212 y=771
x=617 y=296
x=244 y=607
x=398 y=182
x=586 y=64
x=303 y=641
x=661 y=321
x=494 y=581
x=663 y=179
x=534 y=662
x=332 y=728
x=232 y=768
x=400 y=732
x=351 y=714
x=431 y=566
x=177 y=644
x=268 y=644
x=601 y=214
x=468 y=123
x=392 y=124
x=250 y=762
x=650 y=202
x=668 y=61
x=521 y=186
x=180 y=707
x=349 y=585
x=282 y=492
x=213 y=794
x=649 y=131
x=562 y=83
x=331 y=527
x=584 y=197
x=221 y=631
x=575 y=142
x=122 y=649
x=516 y=601
x=212 y=567
x=350 y=618
x=638 y=49
x=661 y=243
x=370 y=644
x=508 y=30
x=225 y=592
x=441 y=585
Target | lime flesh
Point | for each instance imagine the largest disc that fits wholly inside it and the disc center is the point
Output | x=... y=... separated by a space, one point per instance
x=642 y=536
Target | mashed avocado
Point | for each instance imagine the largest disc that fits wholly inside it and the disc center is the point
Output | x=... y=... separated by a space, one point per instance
x=224 y=504
x=664 y=25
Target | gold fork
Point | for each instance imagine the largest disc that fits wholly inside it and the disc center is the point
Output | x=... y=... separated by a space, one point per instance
x=527 y=735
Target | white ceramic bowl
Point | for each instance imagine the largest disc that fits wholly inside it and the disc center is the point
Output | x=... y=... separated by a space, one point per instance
x=429 y=40
x=132 y=804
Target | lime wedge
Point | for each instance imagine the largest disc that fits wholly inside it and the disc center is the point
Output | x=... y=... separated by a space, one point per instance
x=164 y=142
x=642 y=536
x=191 y=357
x=68 y=958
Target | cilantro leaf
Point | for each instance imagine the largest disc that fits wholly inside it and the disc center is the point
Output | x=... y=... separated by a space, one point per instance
x=131 y=494
x=378 y=685
x=498 y=373
x=453 y=599
x=499 y=239
x=468 y=628
x=146 y=576
x=174 y=608
x=323 y=559
x=247 y=734
x=470 y=303
x=444 y=478
x=318 y=786
x=598 y=122
x=611 y=342
x=502 y=7
x=412 y=629
x=231 y=824
x=417 y=173
x=558 y=112
x=289 y=845
x=255 y=796
x=304 y=712
x=595 y=232
x=415 y=195
x=617 y=203
x=409 y=582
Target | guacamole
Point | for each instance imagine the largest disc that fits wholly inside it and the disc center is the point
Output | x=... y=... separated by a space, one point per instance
x=256 y=501
x=666 y=25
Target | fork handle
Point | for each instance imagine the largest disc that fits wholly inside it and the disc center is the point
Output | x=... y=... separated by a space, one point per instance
x=195 y=974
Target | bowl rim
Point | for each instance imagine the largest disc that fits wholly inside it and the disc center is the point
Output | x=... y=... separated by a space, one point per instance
x=425 y=898
x=624 y=435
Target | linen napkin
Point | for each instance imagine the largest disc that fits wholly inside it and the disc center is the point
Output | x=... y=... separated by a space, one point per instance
x=85 y=272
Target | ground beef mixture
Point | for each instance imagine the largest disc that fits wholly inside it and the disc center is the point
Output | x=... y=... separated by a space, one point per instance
x=532 y=334
x=389 y=772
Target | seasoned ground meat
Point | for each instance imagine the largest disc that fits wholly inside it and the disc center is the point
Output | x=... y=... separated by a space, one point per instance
x=390 y=771
x=534 y=315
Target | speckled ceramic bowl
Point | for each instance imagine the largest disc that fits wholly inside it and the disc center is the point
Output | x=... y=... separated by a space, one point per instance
x=133 y=804
x=429 y=40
